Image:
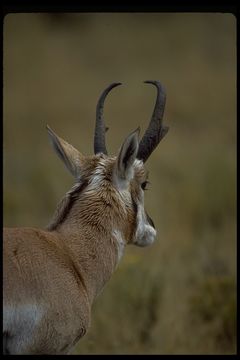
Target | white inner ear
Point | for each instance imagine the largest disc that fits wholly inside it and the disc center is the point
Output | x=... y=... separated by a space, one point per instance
x=70 y=156
x=124 y=169
x=122 y=183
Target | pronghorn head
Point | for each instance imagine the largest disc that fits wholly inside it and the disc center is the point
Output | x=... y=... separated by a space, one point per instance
x=110 y=189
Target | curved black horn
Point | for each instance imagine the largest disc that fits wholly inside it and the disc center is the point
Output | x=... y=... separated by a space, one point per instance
x=155 y=131
x=100 y=129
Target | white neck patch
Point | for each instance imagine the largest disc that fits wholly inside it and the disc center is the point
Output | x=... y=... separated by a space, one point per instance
x=120 y=244
x=145 y=233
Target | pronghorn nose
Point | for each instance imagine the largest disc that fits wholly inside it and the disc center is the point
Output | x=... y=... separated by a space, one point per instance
x=150 y=220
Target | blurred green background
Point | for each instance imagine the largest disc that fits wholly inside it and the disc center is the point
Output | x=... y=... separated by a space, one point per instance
x=179 y=295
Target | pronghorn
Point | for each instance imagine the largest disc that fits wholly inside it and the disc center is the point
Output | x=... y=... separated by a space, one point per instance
x=51 y=277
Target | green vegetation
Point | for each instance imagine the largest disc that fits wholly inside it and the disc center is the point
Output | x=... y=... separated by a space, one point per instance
x=213 y=306
x=179 y=295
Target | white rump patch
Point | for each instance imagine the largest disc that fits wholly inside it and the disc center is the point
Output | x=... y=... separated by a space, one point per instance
x=20 y=321
x=28 y=313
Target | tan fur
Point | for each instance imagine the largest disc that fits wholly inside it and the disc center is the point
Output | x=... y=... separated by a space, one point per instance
x=58 y=272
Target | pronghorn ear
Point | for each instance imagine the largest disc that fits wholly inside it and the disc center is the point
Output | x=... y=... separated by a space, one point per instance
x=123 y=171
x=71 y=157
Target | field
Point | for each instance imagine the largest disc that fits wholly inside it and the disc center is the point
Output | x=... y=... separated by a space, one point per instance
x=179 y=295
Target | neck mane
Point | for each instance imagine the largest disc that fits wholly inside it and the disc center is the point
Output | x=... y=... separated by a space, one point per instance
x=65 y=205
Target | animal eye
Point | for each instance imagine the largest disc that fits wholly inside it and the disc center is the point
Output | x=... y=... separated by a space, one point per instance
x=144 y=185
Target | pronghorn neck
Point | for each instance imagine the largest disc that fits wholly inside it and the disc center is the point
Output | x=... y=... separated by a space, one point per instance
x=94 y=256
x=95 y=238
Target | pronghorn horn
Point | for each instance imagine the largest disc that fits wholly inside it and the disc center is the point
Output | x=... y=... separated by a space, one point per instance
x=100 y=128
x=155 y=131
